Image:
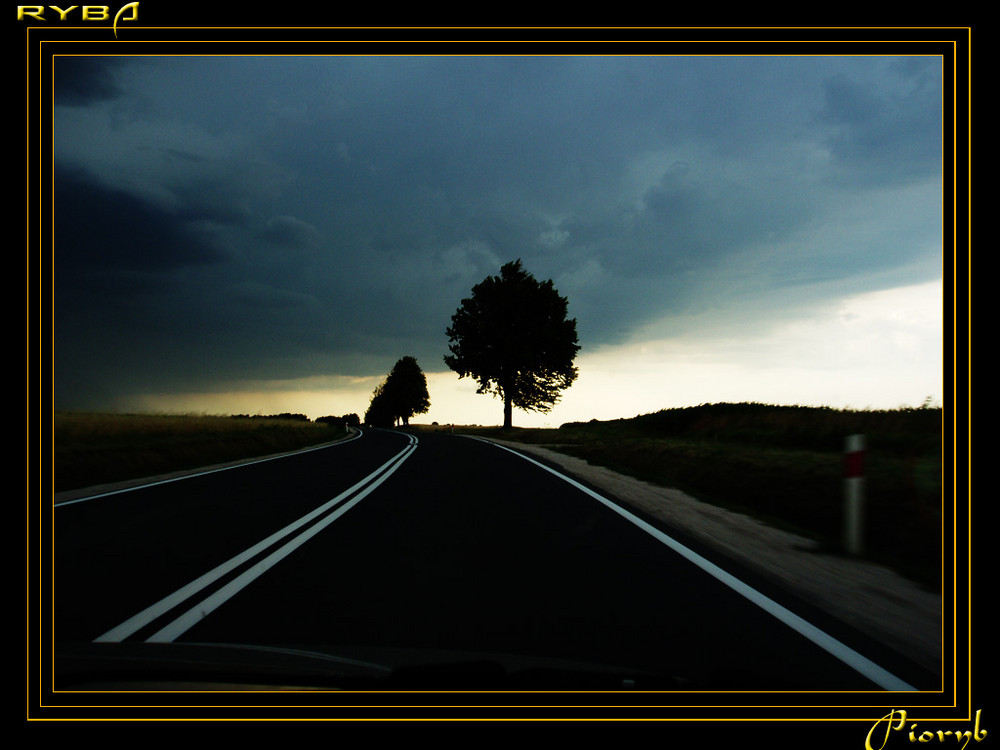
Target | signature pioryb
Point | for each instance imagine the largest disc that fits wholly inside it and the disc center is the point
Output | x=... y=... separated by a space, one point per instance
x=960 y=739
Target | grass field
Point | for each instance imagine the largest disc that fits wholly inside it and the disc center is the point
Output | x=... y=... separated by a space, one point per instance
x=94 y=449
x=781 y=464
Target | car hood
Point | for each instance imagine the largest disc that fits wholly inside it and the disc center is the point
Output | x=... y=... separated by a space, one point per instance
x=227 y=667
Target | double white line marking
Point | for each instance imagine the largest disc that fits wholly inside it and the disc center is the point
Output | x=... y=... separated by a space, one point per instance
x=245 y=567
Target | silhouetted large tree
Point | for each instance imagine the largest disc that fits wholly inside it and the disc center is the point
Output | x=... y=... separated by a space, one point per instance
x=512 y=335
x=400 y=396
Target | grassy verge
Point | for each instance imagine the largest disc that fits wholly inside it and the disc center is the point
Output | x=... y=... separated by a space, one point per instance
x=94 y=449
x=783 y=465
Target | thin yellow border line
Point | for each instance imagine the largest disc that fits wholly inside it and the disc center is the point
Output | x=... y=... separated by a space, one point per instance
x=755 y=692
x=643 y=41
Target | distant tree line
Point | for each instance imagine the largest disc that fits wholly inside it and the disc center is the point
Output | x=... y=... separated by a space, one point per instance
x=348 y=420
x=293 y=417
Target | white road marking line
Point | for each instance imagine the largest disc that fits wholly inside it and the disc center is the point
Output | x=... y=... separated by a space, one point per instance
x=880 y=676
x=148 y=615
x=207 y=471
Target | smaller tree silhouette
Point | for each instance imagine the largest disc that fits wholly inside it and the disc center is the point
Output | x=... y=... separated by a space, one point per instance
x=400 y=396
x=378 y=413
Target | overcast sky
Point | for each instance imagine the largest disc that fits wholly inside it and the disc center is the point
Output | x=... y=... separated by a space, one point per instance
x=267 y=234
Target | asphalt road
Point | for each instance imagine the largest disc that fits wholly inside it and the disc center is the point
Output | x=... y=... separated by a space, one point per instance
x=440 y=553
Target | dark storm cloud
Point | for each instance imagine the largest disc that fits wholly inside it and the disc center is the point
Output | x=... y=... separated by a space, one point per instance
x=220 y=218
x=83 y=80
x=287 y=231
x=884 y=136
x=153 y=293
x=100 y=228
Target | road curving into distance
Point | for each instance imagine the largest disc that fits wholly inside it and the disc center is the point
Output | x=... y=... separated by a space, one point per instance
x=391 y=545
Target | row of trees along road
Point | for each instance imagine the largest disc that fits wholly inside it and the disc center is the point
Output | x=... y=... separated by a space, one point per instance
x=400 y=396
x=512 y=335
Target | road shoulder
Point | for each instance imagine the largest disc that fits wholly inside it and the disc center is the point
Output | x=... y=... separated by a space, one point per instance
x=874 y=599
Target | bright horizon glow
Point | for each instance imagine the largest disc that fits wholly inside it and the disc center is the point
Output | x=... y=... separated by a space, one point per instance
x=893 y=337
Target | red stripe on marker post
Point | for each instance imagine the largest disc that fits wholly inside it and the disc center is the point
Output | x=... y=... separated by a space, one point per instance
x=854 y=457
x=854 y=472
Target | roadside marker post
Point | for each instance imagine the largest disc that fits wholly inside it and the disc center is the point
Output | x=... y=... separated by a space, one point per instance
x=854 y=493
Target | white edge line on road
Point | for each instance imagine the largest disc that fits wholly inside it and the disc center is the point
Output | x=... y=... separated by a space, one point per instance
x=130 y=626
x=828 y=643
x=208 y=471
